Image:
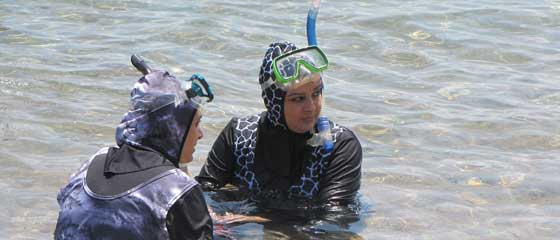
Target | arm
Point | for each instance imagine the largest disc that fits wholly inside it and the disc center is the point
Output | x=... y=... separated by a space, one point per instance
x=188 y=218
x=219 y=167
x=341 y=181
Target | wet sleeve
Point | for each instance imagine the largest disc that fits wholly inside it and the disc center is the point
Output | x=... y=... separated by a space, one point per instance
x=341 y=182
x=188 y=218
x=218 y=169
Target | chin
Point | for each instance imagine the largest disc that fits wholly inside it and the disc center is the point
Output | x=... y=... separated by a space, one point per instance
x=310 y=127
x=304 y=128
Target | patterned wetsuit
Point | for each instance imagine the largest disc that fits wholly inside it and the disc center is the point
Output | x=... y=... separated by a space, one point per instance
x=243 y=147
x=245 y=135
x=87 y=215
x=261 y=154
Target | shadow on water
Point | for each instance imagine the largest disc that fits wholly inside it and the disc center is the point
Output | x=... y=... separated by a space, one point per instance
x=236 y=217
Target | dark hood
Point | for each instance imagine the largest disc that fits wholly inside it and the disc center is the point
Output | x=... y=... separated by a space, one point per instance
x=159 y=117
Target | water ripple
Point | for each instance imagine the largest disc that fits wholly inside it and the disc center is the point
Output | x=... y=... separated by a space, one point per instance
x=455 y=103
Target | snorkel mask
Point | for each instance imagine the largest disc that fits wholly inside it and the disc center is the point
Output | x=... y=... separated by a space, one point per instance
x=195 y=89
x=199 y=90
x=296 y=67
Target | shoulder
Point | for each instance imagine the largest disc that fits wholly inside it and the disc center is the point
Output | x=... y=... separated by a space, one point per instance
x=347 y=146
x=87 y=163
x=76 y=177
x=247 y=119
x=342 y=133
x=244 y=122
x=183 y=180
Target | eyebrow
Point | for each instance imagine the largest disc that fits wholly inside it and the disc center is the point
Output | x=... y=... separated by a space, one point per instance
x=295 y=94
x=318 y=88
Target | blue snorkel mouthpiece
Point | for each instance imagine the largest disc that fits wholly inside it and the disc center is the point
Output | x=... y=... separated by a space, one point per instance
x=323 y=137
x=324 y=129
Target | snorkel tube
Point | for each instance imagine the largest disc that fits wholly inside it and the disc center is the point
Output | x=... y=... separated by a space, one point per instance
x=311 y=19
x=140 y=65
x=323 y=137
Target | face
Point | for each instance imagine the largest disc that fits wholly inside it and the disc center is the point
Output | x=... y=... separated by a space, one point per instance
x=195 y=134
x=302 y=105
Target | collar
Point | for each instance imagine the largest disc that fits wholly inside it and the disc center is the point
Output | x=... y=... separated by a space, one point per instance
x=128 y=159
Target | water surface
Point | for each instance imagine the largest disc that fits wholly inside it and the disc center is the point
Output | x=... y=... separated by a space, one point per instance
x=456 y=103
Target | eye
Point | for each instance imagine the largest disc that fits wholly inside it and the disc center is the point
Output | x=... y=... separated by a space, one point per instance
x=317 y=93
x=297 y=99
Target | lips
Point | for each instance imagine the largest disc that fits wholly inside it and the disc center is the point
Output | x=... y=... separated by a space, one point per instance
x=307 y=119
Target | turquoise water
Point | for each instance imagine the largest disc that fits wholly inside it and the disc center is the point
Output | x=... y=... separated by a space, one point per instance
x=457 y=104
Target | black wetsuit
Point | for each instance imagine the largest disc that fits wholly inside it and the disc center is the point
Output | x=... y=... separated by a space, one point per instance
x=126 y=167
x=281 y=158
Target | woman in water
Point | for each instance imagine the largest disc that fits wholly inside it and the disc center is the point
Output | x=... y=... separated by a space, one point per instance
x=136 y=190
x=280 y=156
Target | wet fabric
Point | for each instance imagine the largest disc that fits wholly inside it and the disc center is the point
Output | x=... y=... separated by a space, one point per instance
x=129 y=159
x=260 y=154
x=273 y=163
x=104 y=183
x=85 y=214
x=159 y=117
x=186 y=219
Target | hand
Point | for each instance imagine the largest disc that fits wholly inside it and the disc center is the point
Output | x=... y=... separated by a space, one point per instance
x=230 y=218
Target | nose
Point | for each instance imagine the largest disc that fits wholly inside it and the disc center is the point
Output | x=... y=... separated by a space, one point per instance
x=200 y=133
x=309 y=105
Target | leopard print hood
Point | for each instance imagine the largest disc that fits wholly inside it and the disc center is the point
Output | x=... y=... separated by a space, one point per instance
x=273 y=96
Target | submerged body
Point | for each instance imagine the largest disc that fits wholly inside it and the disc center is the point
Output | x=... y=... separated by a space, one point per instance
x=268 y=156
x=116 y=207
x=275 y=165
x=136 y=190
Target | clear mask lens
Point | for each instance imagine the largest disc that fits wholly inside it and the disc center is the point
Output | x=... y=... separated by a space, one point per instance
x=298 y=66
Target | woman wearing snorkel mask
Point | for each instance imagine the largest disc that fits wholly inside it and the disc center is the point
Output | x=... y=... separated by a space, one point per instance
x=275 y=155
x=136 y=190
